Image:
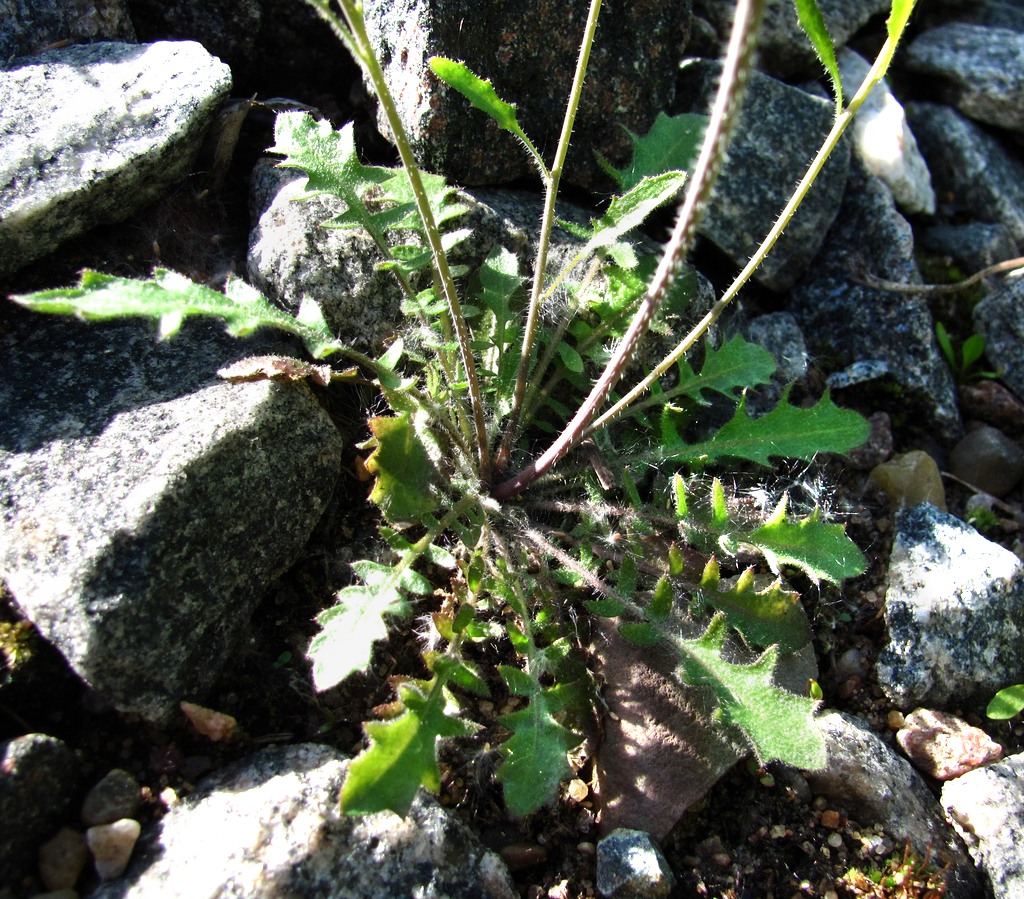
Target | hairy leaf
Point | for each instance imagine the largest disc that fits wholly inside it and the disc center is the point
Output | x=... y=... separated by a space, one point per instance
x=672 y=144
x=535 y=756
x=763 y=617
x=736 y=365
x=402 y=755
x=482 y=95
x=788 y=432
x=777 y=724
x=813 y=23
x=821 y=550
x=376 y=199
x=169 y=298
x=351 y=627
x=405 y=474
x=627 y=212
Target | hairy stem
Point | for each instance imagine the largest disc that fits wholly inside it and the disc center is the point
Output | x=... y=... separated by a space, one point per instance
x=547 y=225
x=877 y=72
x=723 y=118
x=357 y=40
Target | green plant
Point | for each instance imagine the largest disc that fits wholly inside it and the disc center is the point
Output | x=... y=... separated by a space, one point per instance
x=620 y=518
x=1007 y=703
x=963 y=362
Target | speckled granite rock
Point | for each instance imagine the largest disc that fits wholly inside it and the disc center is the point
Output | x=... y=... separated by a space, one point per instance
x=91 y=134
x=529 y=51
x=270 y=826
x=952 y=608
x=147 y=503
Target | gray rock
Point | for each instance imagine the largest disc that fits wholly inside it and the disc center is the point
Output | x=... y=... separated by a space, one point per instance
x=270 y=826
x=783 y=47
x=91 y=134
x=631 y=866
x=291 y=255
x=995 y=14
x=27 y=28
x=984 y=179
x=989 y=460
x=38 y=779
x=779 y=333
x=986 y=807
x=981 y=68
x=875 y=785
x=114 y=796
x=952 y=607
x=780 y=130
x=883 y=141
x=630 y=79
x=146 y=502
x=846 y=321
x=1000 y=318
x=972 y=246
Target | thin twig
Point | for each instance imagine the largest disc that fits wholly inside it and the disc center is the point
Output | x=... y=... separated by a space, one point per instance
x=1007 y=265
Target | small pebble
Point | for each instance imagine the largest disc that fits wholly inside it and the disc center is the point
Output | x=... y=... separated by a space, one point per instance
x=909 y=479
x=523 y=855
x=578 y=790
x=114 y=797
x=989 y=460
x=895 y=719
x=944 y=746
x=111 y=846
x=216 y=726
x=831 y=819
x=835 y=840
x=62 y=858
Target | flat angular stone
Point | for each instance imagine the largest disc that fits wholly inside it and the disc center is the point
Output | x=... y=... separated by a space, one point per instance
x=848 y=321
x=147 y=503
x=983 y=179
x=91 y=134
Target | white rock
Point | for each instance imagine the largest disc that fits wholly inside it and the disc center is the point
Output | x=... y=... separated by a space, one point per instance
x=884 y=141
x=987 y=806
x=270 y=826
x=952 y=608
x=90 y=134
x=112 y=845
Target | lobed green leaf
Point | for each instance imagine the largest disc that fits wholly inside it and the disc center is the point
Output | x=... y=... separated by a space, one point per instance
x=168 y=298
x=822 y=551
x=777 y=724
x=402 y=755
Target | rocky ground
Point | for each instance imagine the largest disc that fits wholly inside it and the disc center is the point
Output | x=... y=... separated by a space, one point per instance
x=758 y=832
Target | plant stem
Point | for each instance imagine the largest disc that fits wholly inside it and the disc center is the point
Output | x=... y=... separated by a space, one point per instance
x=547 y=225
x=724 y=114
x=840 y=124
x=360 y=41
